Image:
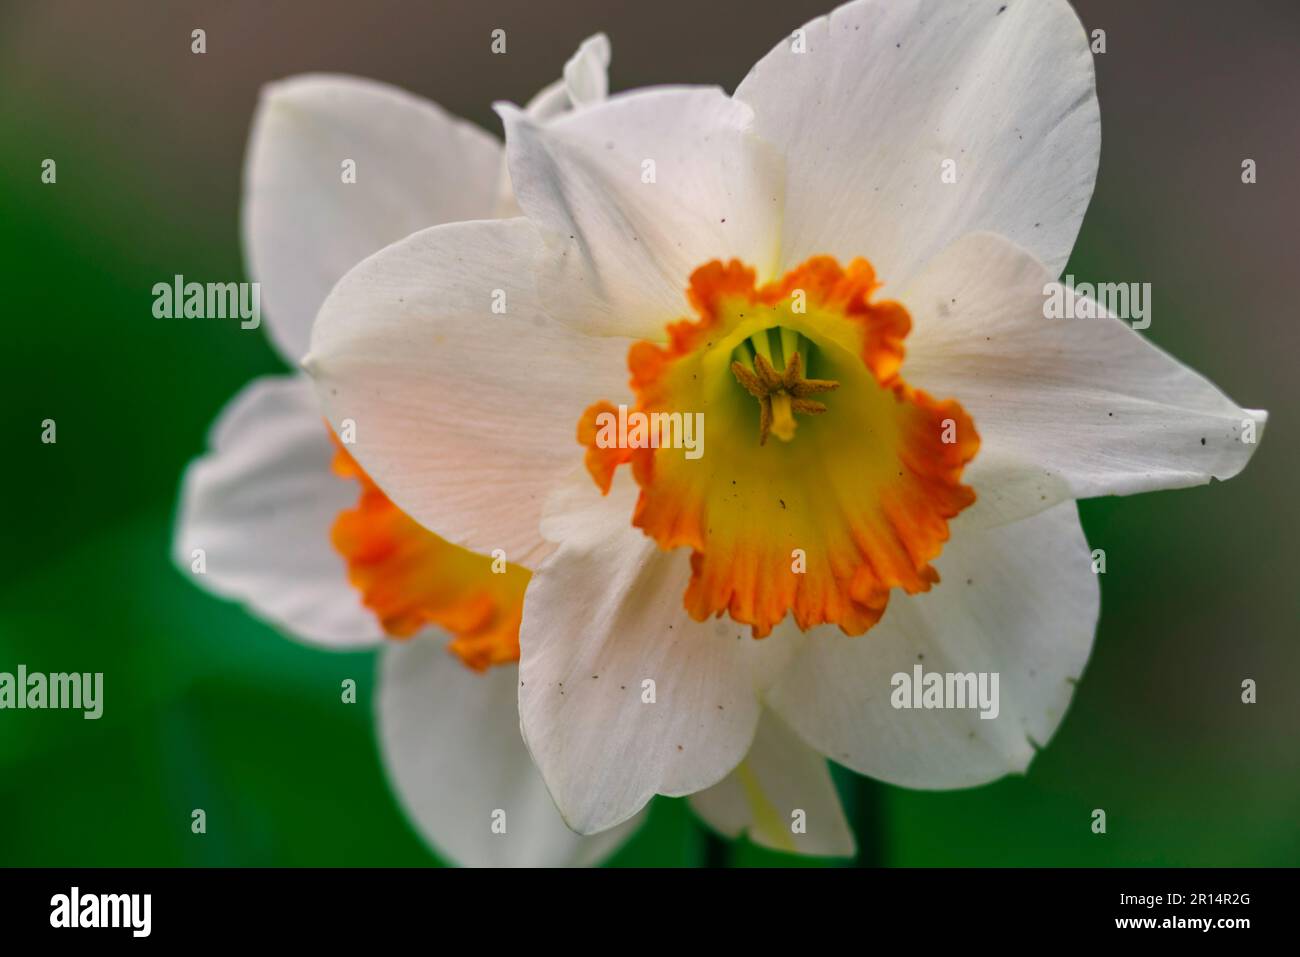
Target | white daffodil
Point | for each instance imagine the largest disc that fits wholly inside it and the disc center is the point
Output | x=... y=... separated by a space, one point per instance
x=273 y=505
x=844 y=269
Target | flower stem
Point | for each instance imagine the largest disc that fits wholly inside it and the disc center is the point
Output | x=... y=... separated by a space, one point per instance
x=868 y=820
x=717 y=852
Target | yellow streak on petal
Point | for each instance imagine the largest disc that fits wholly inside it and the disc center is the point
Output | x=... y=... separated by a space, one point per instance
x=766 y=817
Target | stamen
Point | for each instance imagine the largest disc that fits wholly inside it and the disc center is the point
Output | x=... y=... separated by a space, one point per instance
x=780 y=395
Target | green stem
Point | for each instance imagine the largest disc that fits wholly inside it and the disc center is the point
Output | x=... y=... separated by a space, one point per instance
x=868 y=819
x=717 y=852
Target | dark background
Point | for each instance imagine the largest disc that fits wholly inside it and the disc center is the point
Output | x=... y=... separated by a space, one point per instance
x=206 y=707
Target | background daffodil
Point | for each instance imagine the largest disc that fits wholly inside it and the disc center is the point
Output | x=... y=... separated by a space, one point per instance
x=291 y=527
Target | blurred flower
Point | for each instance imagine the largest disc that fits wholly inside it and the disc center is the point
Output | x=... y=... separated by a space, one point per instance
x=842 y=489
x=277 y=487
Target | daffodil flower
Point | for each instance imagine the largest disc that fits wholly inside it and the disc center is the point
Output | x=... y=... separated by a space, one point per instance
x=287 y=523
x=843 y=267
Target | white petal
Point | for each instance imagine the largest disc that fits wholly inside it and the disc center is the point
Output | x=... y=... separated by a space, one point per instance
x=304 y=227
x=550 y=101
x=1020 y=601
x=1065 y=408
x=261 y=505
x=451 y=746
x=604 y=629
x=585 y=81
x=465 y=417
x=586 y=75
x=638 y=191
x=887 y=92
x=780 y=784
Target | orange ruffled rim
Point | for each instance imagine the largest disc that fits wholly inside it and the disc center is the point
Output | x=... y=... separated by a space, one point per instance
x=411 y=578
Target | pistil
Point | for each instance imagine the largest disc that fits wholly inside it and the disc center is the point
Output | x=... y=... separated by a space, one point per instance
x=780 y=394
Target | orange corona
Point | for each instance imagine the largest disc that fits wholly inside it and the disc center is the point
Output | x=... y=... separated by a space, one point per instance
x=854 y=497
x=410 y=578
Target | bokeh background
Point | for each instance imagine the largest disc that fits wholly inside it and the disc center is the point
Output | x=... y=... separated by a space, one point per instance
x=205 y=707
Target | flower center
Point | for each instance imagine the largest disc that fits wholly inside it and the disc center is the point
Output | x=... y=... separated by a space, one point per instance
x=855 y=497
x=780 y=394
x=410 y=578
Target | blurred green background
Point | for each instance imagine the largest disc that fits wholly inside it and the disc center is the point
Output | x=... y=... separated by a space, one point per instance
x=206 y=707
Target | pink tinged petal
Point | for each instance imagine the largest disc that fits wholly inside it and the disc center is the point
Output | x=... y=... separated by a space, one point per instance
x=260 y=505
x=1065 y=408
x=1020 y=601
x=622 y=695
x=305 y=226
x=887 y=91
x=464 y=416
x=634 y=194
x=450 y=743
x=780 y=796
